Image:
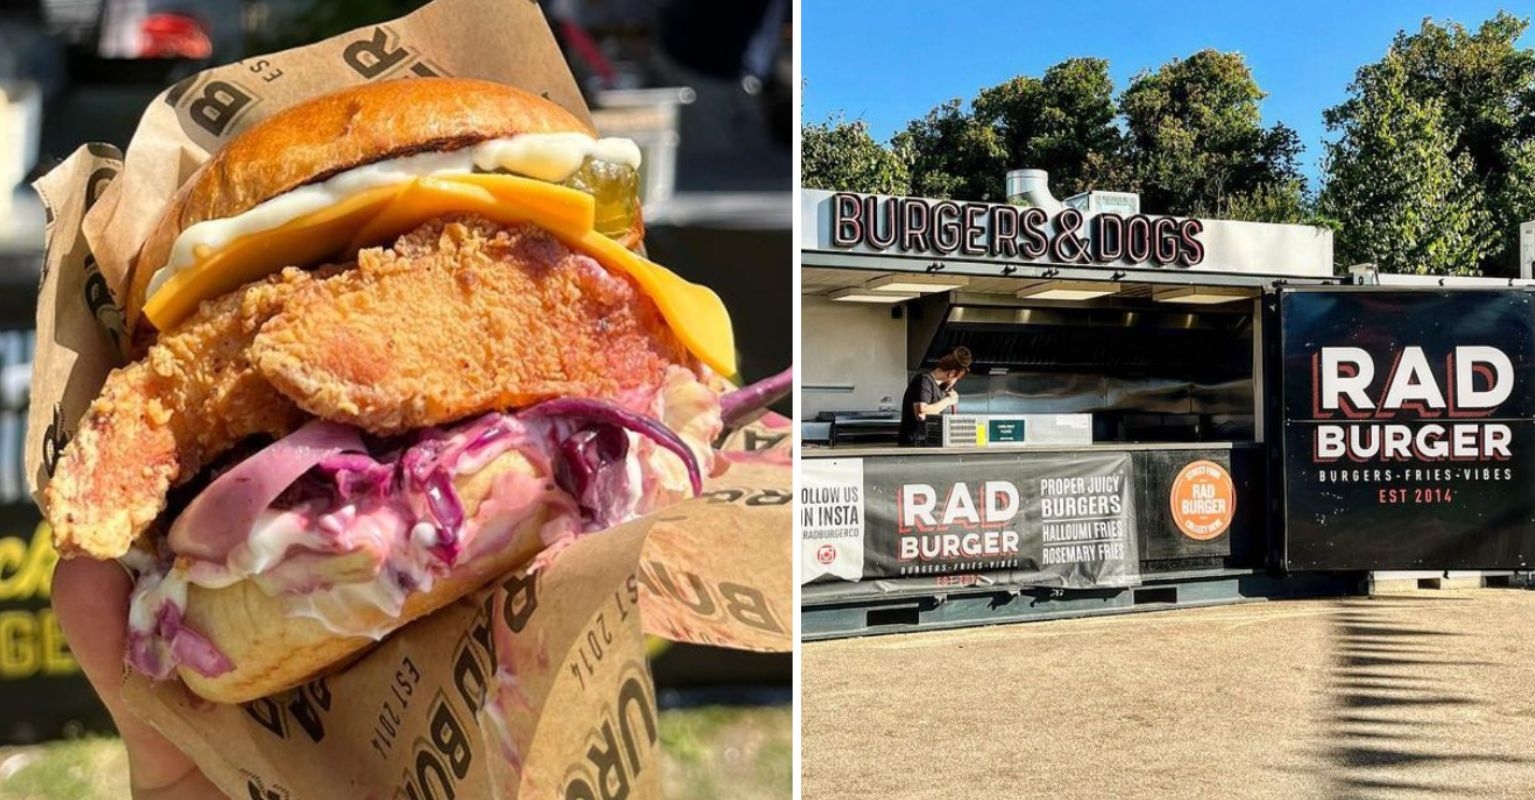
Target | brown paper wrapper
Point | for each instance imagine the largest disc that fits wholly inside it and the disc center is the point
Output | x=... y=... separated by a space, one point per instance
x=534 y=686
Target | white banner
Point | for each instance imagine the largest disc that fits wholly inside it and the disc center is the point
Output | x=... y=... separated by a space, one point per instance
x=831 y=517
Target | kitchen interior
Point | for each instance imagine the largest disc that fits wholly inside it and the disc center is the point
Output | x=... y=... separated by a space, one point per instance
x=1058 y=362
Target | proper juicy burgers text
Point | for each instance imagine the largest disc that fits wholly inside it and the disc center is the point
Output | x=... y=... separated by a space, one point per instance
x=388 y=344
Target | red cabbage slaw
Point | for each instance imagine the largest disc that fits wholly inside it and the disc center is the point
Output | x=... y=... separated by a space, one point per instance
x=329 y=490
x=740 y=405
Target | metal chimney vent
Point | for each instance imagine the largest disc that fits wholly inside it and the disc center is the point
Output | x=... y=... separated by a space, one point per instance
x=1031 y=187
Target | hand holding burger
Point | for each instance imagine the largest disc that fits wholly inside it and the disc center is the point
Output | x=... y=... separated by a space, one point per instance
x=388 y=344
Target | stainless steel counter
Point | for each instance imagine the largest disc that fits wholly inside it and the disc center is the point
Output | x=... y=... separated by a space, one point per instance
x=894 y=450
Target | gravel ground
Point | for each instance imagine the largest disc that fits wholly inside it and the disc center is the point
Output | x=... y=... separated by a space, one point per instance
x=1417 y=695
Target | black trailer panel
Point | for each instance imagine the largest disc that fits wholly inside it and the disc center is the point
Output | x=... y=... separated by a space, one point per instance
x=1408 y=428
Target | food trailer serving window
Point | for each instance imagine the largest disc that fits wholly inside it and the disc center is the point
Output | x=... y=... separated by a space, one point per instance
x=1145 y=367
x=1144 y=325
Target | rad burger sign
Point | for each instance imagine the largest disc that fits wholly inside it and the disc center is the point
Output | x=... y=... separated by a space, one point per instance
x=1475 y=380
x=1057 y=519
x=1409 y=428
x=973 y=523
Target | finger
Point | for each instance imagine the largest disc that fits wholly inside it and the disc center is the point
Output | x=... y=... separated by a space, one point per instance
x=90 y=598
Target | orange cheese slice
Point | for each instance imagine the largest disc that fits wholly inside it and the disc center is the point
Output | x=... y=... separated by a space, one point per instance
x=695 y=312
x=375 y=216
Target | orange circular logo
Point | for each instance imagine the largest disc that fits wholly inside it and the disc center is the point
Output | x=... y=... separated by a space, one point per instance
x=1203 y=500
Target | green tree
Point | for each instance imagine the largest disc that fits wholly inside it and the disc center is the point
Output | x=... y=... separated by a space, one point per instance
x=1519 y=195
x=1062 y=122
x=1402 y=195
x=1192 y=142
x=1485 y=87
x=951 y=153
x=842 y=156
x=1282 y=203
x=1196 y=140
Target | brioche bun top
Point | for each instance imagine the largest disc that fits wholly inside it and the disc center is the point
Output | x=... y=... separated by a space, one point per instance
x=318 y=138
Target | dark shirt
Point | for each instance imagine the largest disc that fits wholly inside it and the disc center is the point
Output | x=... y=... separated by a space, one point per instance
x=922 y=389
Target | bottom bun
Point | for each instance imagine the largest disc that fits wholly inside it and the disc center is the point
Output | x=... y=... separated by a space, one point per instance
x=273 y=650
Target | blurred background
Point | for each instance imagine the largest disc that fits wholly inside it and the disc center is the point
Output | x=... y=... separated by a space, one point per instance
x=705 y=87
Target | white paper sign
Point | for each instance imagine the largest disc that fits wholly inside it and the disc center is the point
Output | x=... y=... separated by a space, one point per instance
x=832 y=518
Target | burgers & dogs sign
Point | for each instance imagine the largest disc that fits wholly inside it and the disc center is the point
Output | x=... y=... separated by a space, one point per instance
x=911 y=225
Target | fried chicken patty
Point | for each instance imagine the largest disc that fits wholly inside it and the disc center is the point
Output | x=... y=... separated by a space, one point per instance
x=459 y=317
x=159 y=420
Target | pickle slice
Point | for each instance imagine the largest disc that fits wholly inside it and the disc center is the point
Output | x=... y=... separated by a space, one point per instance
x=616 y=190
x=615 y=187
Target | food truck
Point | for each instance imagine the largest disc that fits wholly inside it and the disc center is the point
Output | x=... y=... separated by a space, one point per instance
x=1161 y=411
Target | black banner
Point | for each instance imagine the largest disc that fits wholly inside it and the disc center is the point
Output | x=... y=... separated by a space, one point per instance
x=1041 y=519
x=41 y=688
x=1409 y=429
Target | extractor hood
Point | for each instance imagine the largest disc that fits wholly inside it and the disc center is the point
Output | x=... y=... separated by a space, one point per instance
x=1126 y=336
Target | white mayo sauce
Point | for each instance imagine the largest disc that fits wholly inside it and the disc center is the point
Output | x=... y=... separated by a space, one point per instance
x=551 y=157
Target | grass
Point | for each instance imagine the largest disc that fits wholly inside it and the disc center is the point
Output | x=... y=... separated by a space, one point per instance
x=714 y=751
x=745 y=754
x=89 y=769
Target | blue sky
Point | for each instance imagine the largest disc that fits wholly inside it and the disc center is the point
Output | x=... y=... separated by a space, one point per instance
x=889 y=62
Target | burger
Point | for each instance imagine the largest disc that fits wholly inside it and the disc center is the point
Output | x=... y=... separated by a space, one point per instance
x=384 y=346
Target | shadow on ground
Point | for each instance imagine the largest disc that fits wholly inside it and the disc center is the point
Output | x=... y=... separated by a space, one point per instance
x=1393 y=702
